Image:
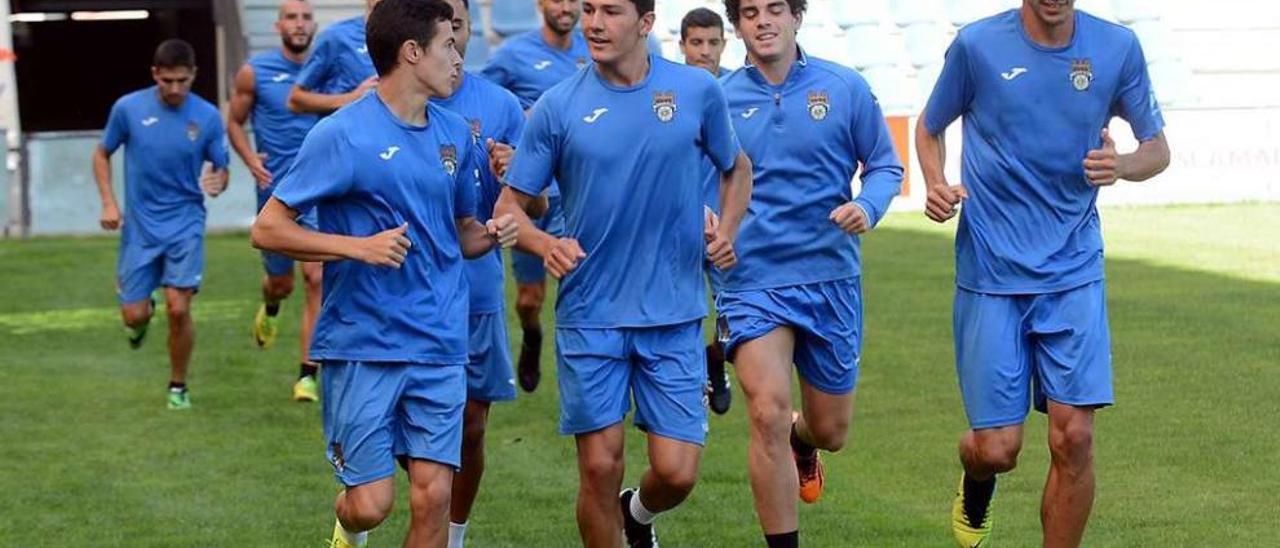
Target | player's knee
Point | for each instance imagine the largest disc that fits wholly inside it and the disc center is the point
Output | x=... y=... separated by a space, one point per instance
x=178 y=310
x=678 y=477
x=1072 y=442
x=362 y=513
x=771 y=417
x=604 y=469
x=136 y=315
x=473 y=430
x=311 y=278
x=829 y=433
x=999 y=457
x=430 y=498
x=280 y=287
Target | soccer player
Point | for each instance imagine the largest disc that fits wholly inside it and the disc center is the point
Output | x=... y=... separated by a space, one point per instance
x=338 y=71
x=626 y=139
x=808 y=126
x=1037 y=87
x=496 y=120
x=168 y=134
x=395 y=178
x=261 y=92
x=702 y=42
x=528 y=65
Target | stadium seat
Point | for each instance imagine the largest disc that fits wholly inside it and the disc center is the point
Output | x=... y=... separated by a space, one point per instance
x=1102 y=9
x=926 y=42
x=863 y=12
x=1130 y=11
x=1157 y=40
x=892 y=88
x=512 y=17
x=870 y=45
x=926 y=78
x=1173 y=83
x=909 y=12
x=963 y=12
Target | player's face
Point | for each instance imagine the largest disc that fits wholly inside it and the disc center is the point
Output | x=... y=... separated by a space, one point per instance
x=613 y=28
x=768 y=28
x=461 y=26
x=703 y=46
x=1051 y=12
x=560 y=15
x=174 y=83
x=296 y=25
x=437 y=65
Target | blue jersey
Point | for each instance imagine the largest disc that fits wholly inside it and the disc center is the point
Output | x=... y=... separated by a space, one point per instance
x=711 y=186
x=1031 y=115
x=806 y=139
x=277 y=131
x=527 y=66
x=164 y=150
x=493 y=113
x=367 y=171
x=339 y=61
x=629 y=163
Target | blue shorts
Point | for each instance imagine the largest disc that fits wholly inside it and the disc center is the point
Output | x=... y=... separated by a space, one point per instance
x=374 y=412
x=826 y=318
x=662 y=368
x=141 y=268
x=529 y=268
x=276 y=264
x=1012 y=350
x=489 y=376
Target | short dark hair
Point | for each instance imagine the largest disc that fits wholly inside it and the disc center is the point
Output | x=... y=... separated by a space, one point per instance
x=701 y=18
x=393 y=22
x=643 y=6
x=798 y=7
x=174 y=53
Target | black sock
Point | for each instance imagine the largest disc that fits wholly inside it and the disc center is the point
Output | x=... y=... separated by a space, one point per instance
x=273 y=309
x=307 y=370
x=800 y=446
x=180 y=386
x=977 y=499
x=783 y=540
x=533 y=337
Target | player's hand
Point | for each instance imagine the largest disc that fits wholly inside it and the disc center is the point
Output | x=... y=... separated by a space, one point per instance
x=719 y=247
x=259 y=170
x=214 y=182
x=1102 y=166
x=503 y=230
x=851 y=218
x=563 y=257
x=500 y=155
x=943 y=201
x=110 y=218
x=364 y=87
x=386 y=248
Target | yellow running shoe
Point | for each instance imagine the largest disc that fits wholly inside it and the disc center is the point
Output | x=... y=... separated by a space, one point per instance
x=339 y=539
x=972 y=529
x=305 y=389
x=265 y=328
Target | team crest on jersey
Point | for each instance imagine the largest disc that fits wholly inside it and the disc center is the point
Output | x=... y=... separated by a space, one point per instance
x=581 y=62
x=819 y=105
x=475 y=129
x=449 y=158
x=664 y=105
x=1081 y=74
x=193 y=131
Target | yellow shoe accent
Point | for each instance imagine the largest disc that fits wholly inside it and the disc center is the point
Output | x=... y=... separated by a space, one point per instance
x=966 y=535
x=812 y=476
x=339 y=540
x=305 y=389
x=265 y=328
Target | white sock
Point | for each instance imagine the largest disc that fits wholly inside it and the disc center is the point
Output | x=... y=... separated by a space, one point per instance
x=354 y=539
x=639 y=512
x=457 y=531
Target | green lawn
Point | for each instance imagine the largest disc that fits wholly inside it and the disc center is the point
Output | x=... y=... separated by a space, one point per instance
x=1190 y=456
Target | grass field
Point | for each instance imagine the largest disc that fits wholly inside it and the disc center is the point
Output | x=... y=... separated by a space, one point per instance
x=89 y=456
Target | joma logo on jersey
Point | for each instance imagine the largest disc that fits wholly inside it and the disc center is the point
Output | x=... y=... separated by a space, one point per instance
x=1081 y=74
x=664 y=105
x=449 y=158
x=819 y=105
x=193 y=131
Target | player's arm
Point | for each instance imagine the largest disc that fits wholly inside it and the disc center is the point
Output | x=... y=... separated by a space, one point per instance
x=276 y=229
x=303 y=101
x=242 y=100
x=476 y=239
x=1136 y=103
x=559 y=255
x=951 y=97
x=110 y=218
x=882 y=171
x=735 y=195
x=214 y=181
x=931 y=151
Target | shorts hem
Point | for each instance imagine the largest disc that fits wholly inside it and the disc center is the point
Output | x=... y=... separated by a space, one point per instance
x=997 y=423
x=1084 y=403
x=456 y=463
x=366 y=478
x=663 y=433
x=492 y=398
x=566 y=430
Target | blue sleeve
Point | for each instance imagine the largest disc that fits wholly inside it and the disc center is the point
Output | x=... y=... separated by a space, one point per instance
x=1136 y=100
x=215 y=148
x=535 y=161
x=873 y=147
x=719 y=141
x=467 y=179
x=322 y=170
x=953 y=92
x=117 y=130
x=315 y=72
x=496 y=71
x=514 y=124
